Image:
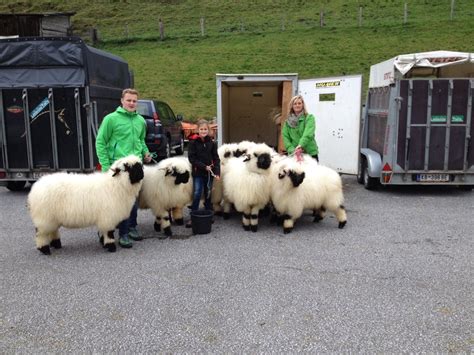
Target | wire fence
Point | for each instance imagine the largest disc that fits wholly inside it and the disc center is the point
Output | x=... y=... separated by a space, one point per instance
x=274 y=20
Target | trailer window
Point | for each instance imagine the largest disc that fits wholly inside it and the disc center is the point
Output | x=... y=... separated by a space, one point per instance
x=327 y=97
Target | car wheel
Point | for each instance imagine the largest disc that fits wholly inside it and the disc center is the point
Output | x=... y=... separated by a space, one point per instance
x=370 y=183
x=360 y=171
x=180 y=150
x=16 y=185
x=168 y=149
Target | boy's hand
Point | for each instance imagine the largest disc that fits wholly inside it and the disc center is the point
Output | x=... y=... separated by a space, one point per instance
x=147 y=158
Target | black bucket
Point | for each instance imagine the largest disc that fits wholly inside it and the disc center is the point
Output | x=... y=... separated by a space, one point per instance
x=201 y=221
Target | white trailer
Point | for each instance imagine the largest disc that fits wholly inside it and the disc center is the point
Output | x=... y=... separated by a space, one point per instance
x=252 y=106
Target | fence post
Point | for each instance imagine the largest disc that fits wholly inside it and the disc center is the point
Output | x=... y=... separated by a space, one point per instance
x=126 y=31
x=202 y=26
x=283 y=20
x=405 y=14
x=321 y=18
x=360 y=16
x=162 y=29
x=452 y=9
x=94 y=36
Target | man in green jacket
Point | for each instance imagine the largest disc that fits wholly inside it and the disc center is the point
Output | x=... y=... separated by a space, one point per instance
x=122 y=133
x=298 y=129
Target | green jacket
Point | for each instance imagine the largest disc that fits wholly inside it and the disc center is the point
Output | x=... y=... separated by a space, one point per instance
x=302 y=135
x=121 y=133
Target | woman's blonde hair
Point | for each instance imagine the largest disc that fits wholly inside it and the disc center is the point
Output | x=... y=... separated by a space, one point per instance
x=292 y=101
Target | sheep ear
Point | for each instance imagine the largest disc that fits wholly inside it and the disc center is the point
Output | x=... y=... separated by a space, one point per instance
x=282 y=174
x=247 y=157
x=168 y=172
x=116 y=172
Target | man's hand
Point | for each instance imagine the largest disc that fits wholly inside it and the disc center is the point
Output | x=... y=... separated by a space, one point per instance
x=147 y=158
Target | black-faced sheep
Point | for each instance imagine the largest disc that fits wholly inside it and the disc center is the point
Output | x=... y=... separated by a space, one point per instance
x=246 y=183
x=83 y=200
x=296 y=186
x=167 y=186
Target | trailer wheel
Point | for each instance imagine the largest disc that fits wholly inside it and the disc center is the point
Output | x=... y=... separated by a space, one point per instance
x=360 y=170
x=16 y=185
x=370 y=183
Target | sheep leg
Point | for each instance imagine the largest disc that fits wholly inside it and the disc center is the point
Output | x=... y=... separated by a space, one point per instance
x=43 y=240
x=227 y=207
x=341 y=216
x=157 y=224
x=254 y=219
x=217 y=208
x=177 y=213
x=56 y=241
x=109 y=241
x=166 y=225
x=246 y=216
x=319 y=214
x=288 y=224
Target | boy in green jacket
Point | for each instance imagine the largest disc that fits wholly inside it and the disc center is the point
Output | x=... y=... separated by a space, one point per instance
x=122 y=133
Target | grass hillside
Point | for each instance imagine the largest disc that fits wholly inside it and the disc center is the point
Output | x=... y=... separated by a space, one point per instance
x=258 y=36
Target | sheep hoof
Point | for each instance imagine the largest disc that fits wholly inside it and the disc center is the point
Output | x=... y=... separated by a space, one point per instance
x=342 y=224
x=45 y=250
x=101 y=240
x=157 y=227
x=111 y=247
x=226 y=215
x=247 y=228
x=317 y=218
x=56 y=244
x=254 y=228
x=168 y=231
x=287 y=230
x=179 y=221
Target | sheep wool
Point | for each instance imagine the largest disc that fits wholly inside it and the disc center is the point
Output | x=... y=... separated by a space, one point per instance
x=296 y=186
x=82 y=200
x=167 y=186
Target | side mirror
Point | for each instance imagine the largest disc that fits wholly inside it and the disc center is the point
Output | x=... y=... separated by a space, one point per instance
x=179 y=117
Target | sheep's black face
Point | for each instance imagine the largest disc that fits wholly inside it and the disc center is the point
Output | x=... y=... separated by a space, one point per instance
x=296 y=178
x=239 y=152
x=264 y=161
x=182 y=178
x=135 y=172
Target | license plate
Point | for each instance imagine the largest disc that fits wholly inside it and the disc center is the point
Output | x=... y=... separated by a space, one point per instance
x=432 y=177
x=37 y=175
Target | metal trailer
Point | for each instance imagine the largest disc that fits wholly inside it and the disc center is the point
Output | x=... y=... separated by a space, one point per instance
x=54 y=93
x=417 y=125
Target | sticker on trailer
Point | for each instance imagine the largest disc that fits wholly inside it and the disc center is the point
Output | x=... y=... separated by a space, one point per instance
x=36 y=111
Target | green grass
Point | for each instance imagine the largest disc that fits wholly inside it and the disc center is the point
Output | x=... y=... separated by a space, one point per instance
x=247 y=36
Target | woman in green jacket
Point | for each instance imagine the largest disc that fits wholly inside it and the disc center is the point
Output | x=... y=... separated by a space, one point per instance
x=122 y=133
x=298 y=129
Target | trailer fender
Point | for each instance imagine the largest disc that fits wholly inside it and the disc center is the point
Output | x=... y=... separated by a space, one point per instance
x=374 y=162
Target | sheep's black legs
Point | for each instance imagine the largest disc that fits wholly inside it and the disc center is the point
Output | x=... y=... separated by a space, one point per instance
x=109 y=242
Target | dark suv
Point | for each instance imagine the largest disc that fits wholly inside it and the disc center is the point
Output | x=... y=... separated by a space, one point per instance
x=164 y=131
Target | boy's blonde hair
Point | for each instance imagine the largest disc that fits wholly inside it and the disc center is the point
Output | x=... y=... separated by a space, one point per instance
x=292 y=101
x=129 y=91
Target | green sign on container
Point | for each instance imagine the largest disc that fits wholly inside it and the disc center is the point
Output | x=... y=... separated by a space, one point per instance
x=438 y=118
x=457 y=118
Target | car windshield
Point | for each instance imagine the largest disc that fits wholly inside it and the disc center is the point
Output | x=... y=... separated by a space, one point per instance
x=144 y=109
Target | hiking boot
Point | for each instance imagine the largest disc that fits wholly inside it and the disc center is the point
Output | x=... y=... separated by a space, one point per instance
x=125 y=242
x=134 y=234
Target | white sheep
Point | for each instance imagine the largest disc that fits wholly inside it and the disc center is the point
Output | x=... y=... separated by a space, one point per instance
x=167 y=186
x=225 y=152
x=246 y=184
x=296 y=186
x=83 y=200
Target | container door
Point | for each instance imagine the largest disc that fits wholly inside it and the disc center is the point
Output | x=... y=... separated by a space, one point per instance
x=336 y=105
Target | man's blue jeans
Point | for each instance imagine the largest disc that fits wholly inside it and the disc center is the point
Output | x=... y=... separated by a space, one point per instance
x=131 y=221
x=202 y=184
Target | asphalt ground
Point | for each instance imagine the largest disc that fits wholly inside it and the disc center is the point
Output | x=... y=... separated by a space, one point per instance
x=397 y=278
